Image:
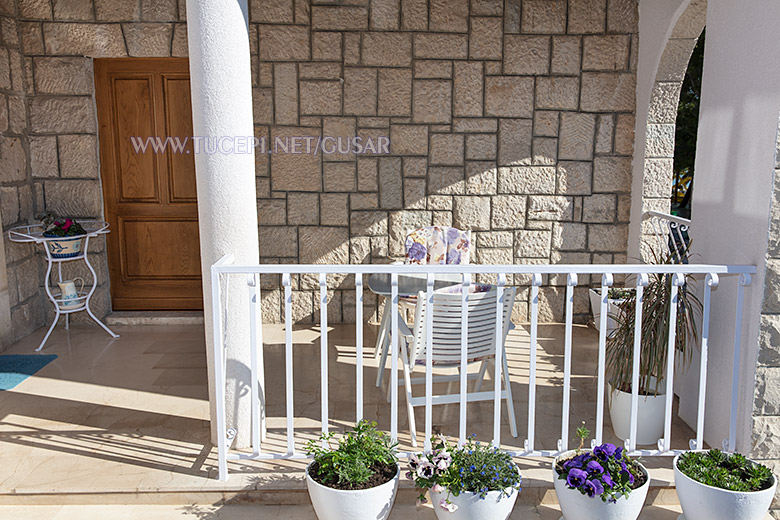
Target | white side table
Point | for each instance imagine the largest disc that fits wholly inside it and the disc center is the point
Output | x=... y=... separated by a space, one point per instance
x=54 y=255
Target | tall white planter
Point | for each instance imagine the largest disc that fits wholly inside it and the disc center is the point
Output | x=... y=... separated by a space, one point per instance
x=702 y=502
x=612 y=309
x=472 y=507
x=576 y=506
x=361 y=504
x=650 y=416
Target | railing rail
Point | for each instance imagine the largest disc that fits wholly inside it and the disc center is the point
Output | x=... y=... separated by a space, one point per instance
x=224 y=268
x=671 y=234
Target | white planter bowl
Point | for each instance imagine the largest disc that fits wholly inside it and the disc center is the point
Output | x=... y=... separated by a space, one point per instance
x=576 y=506
x=471 y=507
x=612 y=309
x=702 y=502
x=650 y=421
x=361 y=504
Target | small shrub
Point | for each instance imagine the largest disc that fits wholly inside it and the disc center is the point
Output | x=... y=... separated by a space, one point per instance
x=361 y=456
x=732 y=472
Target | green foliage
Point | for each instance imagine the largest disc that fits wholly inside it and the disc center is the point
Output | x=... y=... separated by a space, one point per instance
x=582 y=434
x=357 y=453
x=619 y=293
x=656 y=311
x=53 y=226
x=732 y=472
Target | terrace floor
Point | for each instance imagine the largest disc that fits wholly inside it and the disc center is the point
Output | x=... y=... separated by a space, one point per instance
x=125 y=422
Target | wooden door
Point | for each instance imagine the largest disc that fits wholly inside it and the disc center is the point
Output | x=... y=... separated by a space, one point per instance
x=150 y=196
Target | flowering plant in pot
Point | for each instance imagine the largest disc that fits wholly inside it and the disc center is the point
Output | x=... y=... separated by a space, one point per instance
x=355 y=480
x=468 y=482
x=654 y=348
x=68 y=230
x=713 y=485
x=599 y=484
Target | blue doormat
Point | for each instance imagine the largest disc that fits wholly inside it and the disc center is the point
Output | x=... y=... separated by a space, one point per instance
x=15 y=368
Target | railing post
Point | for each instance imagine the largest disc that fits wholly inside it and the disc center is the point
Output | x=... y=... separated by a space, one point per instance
x=710 y=283
x=288 y=361
x=607 y=280
x=642 y=281
x=324 y=352
x=219 y=372
x=744 y=281
x=359 y=347
x=536 y=282
x=394 y=356
x=678 y=281
x=563 y=442
x=428 y=363
x=464 y=347
x=501 y=282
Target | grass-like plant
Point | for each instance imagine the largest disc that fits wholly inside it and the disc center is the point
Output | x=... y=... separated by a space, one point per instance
x=359 y=455
x=733 y=472
x=656 y=311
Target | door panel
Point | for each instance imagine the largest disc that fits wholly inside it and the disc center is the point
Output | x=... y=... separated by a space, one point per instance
x=150 y=196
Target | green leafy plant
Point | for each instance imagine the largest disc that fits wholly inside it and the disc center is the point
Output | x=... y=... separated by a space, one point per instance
x=473 y=467
x=54 y=226
x=359 y=455
x=582 y=434
x=656 y=310
x=619 y=293
x=733 y=472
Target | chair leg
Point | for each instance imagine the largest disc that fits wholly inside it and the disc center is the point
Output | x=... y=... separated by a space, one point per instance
x=380 y=338
x=510 y=403
x=481 y=377
x=409 y=407
x=385 y=348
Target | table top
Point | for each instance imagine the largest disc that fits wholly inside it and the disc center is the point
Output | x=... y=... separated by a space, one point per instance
x=410 y=284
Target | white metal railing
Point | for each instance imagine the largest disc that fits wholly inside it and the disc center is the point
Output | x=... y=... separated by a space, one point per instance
x=671 y=233
x=224 y=268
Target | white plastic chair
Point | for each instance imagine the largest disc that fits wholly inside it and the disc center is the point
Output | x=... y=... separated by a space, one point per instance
x=446 y=334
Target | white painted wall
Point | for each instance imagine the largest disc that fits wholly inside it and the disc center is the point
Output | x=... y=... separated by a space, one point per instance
x=732 y=195
x=221 y=85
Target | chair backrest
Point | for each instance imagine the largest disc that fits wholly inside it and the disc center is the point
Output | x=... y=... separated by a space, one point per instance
x=447 y=320
x=438 y=245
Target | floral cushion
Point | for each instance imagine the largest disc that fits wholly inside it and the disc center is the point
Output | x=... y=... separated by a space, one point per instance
x=437 y=245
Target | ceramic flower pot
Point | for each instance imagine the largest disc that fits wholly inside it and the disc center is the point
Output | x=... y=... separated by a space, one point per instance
x=576 y=506
x=612 y=309
x=66 y=247
x=702 y=502
x=651 y=413
x=361 y=504
x=471 y=507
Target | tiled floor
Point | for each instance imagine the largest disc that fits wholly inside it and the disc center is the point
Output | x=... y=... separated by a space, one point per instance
x=131 y=415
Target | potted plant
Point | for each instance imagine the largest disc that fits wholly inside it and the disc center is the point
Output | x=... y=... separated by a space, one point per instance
x=615 y=297
x=473 y=481
x=70 y=235
x=355 y=480
x=713 y=485
x=599 y=484
x=656 y=309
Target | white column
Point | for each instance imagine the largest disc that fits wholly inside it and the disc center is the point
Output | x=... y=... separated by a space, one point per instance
x=220 y=80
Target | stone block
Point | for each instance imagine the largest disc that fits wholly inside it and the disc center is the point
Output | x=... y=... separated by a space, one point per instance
x=272 y=212
x=607 y=238
x=526 y=180
x=78 y=156
x=376 y=46
x=339 y=176
x=153 y=10
x=17 y=114
x=75 y=198
x=179 y=47
x=512 y=16
x=487 y=8
x=319 y=71
x=272 y=11
x=449 y=15
x=390 y=183
x=576 y=136
x=545 y=150
x=527 y=55
x=481 y=178
x=600 y=208
x=93 y=40
x=360 y=201
x=433 y=69
x=385 y=15
x=368 y=223
x=414 y=193
x=263 y=106
x=323 y=245
x=303 y=208
x=772 y=287
x=334 y=209
x=326 y=46
x=769 y=340
x=320 y=97
x=481 y=146
x=605 y=131
x=43 y=156
x=360 y=91
x=32 y=37
x=508 y=211
x=532 y=243
x=286 y=93
x=440 y=202
x=660 y=141
x=606 y=52
x=148 y=39
x=658 y=178
x=441 y=46
x=624 y=134
x=339 y=18
x=414 y=15
x=3 y=113
x=471 y=212
x=494 y=256
x=546 y=207
x=13 y=167
x=608 y=92
x=409 y=139
x=468 y=89
x=468 y=125
x=569 y=236
x=587 y=16
x=485 y=38
x=395 y=92
x=278 y=241
x=766 y=396
x=446 y=180
x=9 y=205
x=612 y=174
x=401 y=223
x=284 y=43
x=337 y=133
x=432 y=101
x=446 y=149
x=543 y=16
x=663 y=105
x=557 y=93
x=351 y=49
x=623 y=16
x=367 y=175
x=35 y=9
x=514 y=141
x=545 y=123
x=575 y=178
x=509 y=96
x=295 y=172
x=490 y=239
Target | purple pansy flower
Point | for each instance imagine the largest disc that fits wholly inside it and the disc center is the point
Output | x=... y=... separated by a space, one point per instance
x=572 y=463
x=604 y=452
x=417 y=251
x=594 y=468
x=607 y=480
x=593 y=488
x=576 y=478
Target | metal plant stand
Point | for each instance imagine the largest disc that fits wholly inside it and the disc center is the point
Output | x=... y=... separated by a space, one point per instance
x=55 y=255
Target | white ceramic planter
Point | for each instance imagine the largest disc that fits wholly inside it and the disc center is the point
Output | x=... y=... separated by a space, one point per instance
x=650 y=421
x=576 y=506
x=612 y=309
x=471 y=507
x=702 y=502
x=361 y=504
